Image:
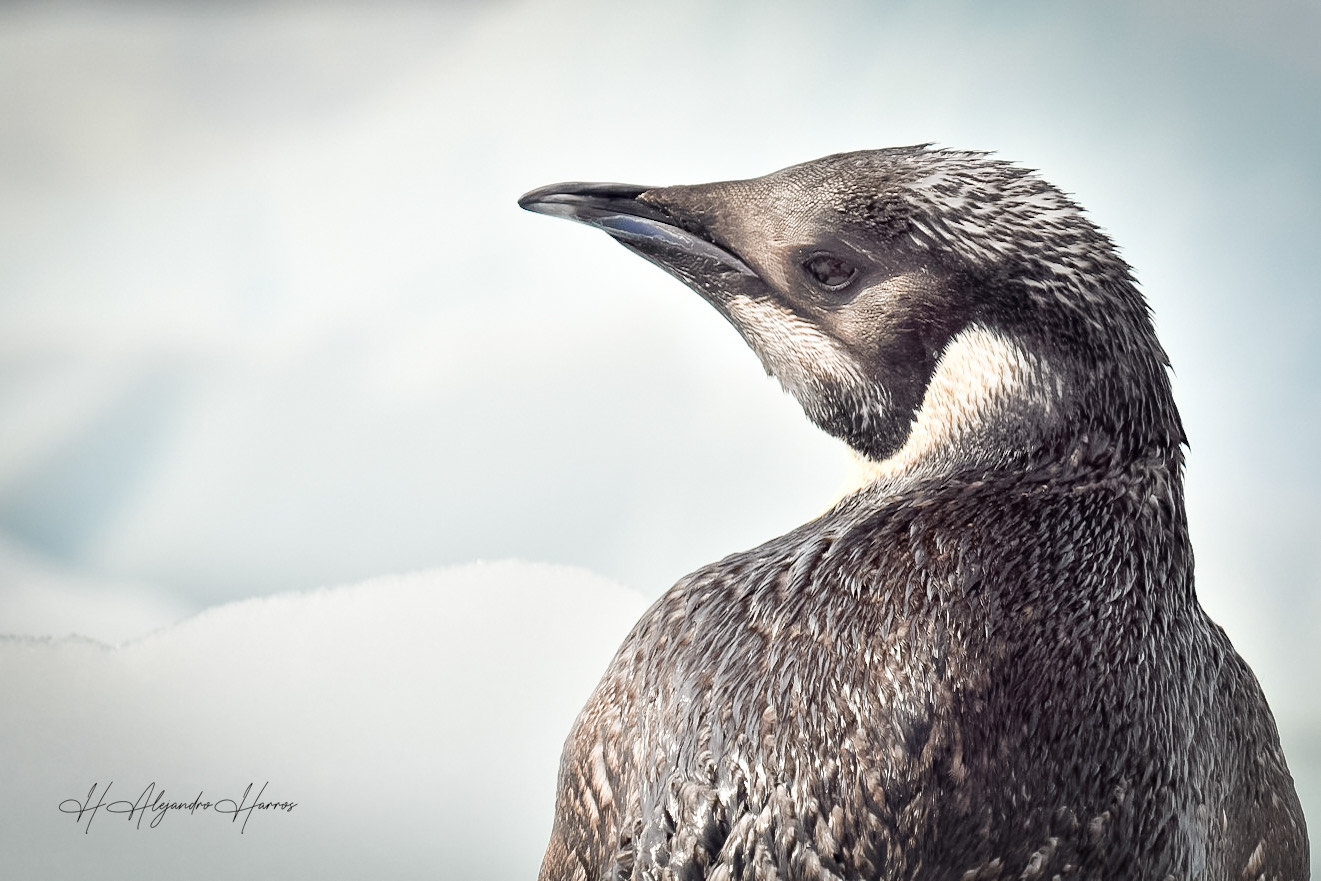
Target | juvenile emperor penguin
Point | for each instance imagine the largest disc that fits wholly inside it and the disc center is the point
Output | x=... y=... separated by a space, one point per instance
x=990 y=661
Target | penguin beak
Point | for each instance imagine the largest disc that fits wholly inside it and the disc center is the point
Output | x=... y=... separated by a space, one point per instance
x=615 y=209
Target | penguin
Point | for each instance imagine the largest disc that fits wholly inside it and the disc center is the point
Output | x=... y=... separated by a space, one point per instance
x=989 y=662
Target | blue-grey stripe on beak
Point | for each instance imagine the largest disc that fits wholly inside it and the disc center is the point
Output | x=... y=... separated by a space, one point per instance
x=615 y=209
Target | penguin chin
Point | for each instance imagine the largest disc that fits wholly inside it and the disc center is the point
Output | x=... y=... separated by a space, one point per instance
x=861 y=420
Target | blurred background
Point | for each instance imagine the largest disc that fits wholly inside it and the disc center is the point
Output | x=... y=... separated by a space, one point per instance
x=270 y=318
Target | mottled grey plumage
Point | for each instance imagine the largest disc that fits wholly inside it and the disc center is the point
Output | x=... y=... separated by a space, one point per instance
x=988 y=663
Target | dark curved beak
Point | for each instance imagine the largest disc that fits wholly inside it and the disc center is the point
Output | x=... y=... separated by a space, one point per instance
x=615 y=209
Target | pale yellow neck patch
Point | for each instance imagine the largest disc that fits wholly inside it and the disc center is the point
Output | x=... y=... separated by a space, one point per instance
x=987 y=399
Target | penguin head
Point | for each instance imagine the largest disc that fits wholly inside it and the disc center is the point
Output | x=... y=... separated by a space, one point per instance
x=932 y=308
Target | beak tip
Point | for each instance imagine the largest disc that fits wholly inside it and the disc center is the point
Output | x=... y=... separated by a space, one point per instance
x=578 y=193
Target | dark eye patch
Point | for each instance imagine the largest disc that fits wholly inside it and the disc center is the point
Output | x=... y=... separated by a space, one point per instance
x=829 y=271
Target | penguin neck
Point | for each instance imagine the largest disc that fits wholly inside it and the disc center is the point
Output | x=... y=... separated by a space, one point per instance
x=986 y=406
x=996 y=405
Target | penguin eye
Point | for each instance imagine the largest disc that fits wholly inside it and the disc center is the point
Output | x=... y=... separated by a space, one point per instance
x=830 y=271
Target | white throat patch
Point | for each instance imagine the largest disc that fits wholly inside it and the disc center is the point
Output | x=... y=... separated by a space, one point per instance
x=987 y=399
x=793 y=350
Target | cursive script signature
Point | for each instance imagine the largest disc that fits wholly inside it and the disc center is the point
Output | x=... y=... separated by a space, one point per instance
x=152 y=801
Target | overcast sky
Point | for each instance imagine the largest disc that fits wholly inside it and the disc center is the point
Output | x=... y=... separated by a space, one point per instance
x=270 y=318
